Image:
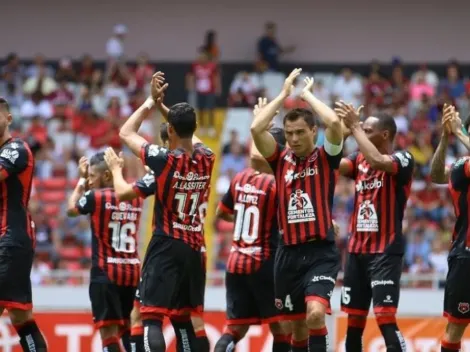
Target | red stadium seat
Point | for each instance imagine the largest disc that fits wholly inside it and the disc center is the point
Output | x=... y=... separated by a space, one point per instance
x=87 y=252
x=73 y=183
x=55 y=183
x=52 y=196
x=51 y=209
x=71 y=253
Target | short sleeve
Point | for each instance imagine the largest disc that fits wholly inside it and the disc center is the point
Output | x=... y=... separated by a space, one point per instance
x=87 y=203
x=155 y=157
x=351 y=160
x=227 y=203
x=14 y=158
x=273 y=160
x=460 y=173
x=403 y=165
x=333 y=160
x=145 y=187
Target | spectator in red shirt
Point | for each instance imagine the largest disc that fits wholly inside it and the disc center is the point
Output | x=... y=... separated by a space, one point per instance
x=86 y=68
x=376 y=89
x=142 y=73
x=62 y=95
x=204 y=80
x=399 y=87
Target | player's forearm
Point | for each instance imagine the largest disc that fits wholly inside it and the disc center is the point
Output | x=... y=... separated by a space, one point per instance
x=263 y=119
x=77 y=193
x=464 y=139
x=326 y=114
x=124 y=190
x=373 y=156
x=129 y=129
x=438 y=162
x=163 y=110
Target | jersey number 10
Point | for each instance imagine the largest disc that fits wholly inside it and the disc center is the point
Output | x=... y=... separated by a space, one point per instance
x=246 y=223
x=123 y=236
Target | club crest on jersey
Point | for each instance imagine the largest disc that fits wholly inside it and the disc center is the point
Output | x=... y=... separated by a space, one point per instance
x=463 y=307
x=278 y=304
x=314 y=156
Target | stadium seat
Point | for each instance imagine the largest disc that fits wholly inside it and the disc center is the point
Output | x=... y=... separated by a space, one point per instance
x=55 y=183
x=52 y=196
x=73 y=183
x=71 y=253
x=272 y=82
x=51 y=209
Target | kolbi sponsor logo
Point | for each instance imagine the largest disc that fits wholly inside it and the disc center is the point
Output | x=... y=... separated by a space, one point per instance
x=308 y=172
x=382 y=283
x=364 y=186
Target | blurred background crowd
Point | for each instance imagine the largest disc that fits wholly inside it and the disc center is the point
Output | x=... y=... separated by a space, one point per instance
x=75 y=107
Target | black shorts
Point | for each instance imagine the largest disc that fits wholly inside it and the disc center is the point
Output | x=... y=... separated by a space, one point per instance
x=457 y=291
x=111 y=304
x=137 y=297
x=206 y=101
x=173 y=278
x=250 y=297
x=15 y=282
x=373 y=277
x=302 y=273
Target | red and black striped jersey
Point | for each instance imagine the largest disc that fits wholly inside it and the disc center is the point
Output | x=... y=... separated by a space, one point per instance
x=17 y=169
x=459 y=186
x=182 y=180
x=379 y=204
x=305 y=189
x=252 y=197
x=114 y=226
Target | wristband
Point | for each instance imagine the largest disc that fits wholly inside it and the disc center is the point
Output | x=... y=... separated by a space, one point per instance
x=149 y=103
x=82 y=182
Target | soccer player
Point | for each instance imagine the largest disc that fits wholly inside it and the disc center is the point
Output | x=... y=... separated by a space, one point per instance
x=144 y=188
x=250 y=203
x=457 y=289
x=307 y=260
x=173 y=275
x=376 y=245
x=115 y=260
x=17 y=236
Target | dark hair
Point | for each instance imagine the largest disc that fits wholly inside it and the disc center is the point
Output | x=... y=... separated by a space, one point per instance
x=4 y=104
x=387 y=123
x=466 y=124
x=279 y=135
x=296 y=114
x=182 y=117
x=98 y=161
x=164 y=132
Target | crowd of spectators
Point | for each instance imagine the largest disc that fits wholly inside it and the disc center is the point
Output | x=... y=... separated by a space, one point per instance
x=416 y=103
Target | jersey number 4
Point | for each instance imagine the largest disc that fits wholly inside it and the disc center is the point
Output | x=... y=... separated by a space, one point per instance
x=246 y=223
x=123 y=236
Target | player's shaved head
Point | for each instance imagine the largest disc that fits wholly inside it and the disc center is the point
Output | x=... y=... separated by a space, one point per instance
x=386 y=122
x=97 y=161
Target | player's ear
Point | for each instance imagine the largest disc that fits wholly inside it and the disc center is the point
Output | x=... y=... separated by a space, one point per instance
x=386 y=134
x=107 y=175
x=9 y=119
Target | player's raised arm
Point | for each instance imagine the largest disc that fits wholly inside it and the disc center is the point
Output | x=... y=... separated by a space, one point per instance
x=334 y=130
x=439 y=171
x=123 y=190
x=458 y=129
x=75 y=205
x=259 y=128
x=129 y=131
x=374 y=157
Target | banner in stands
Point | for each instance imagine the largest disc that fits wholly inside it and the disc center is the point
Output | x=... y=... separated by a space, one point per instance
x=421 y=334
x=74 y=332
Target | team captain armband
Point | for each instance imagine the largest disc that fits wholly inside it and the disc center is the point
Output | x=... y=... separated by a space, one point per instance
x=332 y=149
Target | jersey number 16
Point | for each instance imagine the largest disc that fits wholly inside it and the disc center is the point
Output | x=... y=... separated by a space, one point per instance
x=123 y=236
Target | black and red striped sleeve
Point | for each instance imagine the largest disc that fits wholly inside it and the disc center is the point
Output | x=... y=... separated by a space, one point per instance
x=351 y=161
x=155 y=157
x=274 y=159
x=403 y=165
x=14 y=158
x=145 y=187
x=87 y=203
x=460 y=173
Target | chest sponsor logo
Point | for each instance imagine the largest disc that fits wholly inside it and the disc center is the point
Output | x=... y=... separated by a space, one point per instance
x=300 y=208
x=367 y=219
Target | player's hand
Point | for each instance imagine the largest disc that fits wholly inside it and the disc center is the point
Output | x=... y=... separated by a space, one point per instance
x=288 y=87
x=158 y=86
x=350 y=116
x=83 y=167
x=308 y=87
x=262 y=102
x=336 y=228
x=112 y=160
x=449 y=121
